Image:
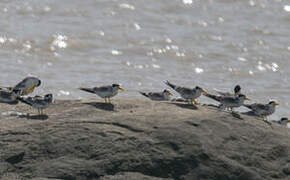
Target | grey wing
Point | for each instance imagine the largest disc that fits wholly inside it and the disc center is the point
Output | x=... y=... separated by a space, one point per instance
x=156 y=95
x=102 y=88
x=224 y=93
x=184 y=90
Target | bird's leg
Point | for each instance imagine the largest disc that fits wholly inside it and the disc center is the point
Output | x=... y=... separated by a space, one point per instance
x=109 y=100
x=105 y=100
x=38 y=111
x=195 y=101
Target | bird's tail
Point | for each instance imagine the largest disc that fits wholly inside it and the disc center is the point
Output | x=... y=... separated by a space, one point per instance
x=248 y=106
x=144 y=94
x=23 y=100
x=170 y=85
x=90 y=90
x=215 y=97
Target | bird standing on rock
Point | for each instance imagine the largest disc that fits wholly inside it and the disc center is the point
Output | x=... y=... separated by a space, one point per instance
x=9 y=96
x=230 y=102
x=190 y=94
x=105 y=92
x=283 y=121
x=263 y=110
x=158 y=96
x=27 y=85
x=38 y=102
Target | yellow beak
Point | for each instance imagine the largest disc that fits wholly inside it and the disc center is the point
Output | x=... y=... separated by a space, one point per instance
x=169 y=93
x=288 y=121
x=122 y=89
x=276 y=103
x=247 y=99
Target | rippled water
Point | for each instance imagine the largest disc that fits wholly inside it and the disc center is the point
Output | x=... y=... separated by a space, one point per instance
x=210 y=43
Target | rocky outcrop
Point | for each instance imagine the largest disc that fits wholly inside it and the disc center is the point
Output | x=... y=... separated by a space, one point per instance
x=139 y=139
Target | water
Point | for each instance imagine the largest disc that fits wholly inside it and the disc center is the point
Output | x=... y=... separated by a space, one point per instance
x=213 y=44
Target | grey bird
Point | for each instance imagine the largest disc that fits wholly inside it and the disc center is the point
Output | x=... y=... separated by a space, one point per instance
x=105 y=92
x=189 y=94
x=283 y=121
x=230 y=102
x=158 y=96
x=237 y=91
x=38 y=102
x=9 y=96
x=263 y=110
x=27 y=85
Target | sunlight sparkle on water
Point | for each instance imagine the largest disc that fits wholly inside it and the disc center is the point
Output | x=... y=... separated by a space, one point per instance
x=198 y=70
x=60 y=41
x=187 y=1
x=287 y=8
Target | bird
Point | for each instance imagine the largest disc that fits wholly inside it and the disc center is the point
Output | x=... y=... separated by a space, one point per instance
x=158 y=96
x=105 y=92
x=9 y=96
x=237 y=91
x=190 y=94
x=230 y=102
x=27 y=85
x=38 y=102
x=263 y=110
x=283 y=121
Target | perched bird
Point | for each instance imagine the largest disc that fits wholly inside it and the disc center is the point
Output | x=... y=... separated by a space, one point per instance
x=283 y=121
x=9 y=96
x=263 y=110
x=158 y=96
x=229 y=101
x=190 y=94
x=38 y=102
x=105 y=92
x=27 y=85
x=237 y=91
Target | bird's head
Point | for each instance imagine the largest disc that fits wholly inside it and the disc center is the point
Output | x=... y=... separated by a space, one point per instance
x=166 y=91
x=237 y=89
x=201 y=89
x=242 y=96
x=118 y=87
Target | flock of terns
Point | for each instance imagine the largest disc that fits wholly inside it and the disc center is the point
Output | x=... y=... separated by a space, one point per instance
x=228 y=101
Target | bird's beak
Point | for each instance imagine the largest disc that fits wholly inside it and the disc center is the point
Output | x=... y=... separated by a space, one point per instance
x=247 y=99
x=204 y=91
x=288 y=121
x=170 y=94
x=122 y=89
x=276 y=103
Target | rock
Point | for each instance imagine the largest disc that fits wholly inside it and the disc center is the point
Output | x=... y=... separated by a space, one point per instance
x=140 y=139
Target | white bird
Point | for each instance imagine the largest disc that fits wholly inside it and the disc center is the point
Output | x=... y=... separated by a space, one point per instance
x=38 y=102
x=105 y=92
x=190 y=94
x=158 y=96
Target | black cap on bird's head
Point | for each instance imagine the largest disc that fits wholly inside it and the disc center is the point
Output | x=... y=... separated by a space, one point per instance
x=115 y=85
x=284 y=119
x=167 y=91
x=39 y=83
x=237 y=89
x=48 y=96
x=201 y=89
x=118 y=87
